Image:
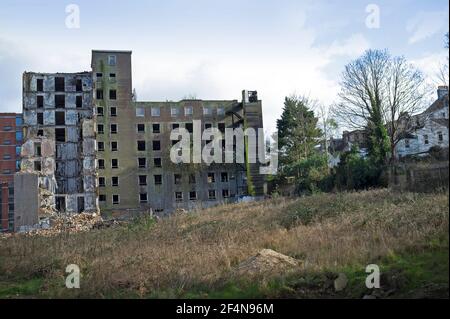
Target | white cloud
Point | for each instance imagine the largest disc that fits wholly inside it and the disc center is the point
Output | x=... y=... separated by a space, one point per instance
x=430 y=64
x=353 y=46
x=426 y=24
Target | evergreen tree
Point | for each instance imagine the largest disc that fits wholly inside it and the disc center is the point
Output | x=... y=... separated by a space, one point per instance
x=298 y=133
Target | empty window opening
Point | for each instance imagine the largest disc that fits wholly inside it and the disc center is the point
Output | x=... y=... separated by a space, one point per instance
x=100 y=128
x=157 y=162
x=112 y=94
x=115 y=163
x=115 y=181
x=178 y=196
x=99 y=94
x=80 y=204
x=156 y=145
x=189 y=127
x=193 y=195
x=113 y=128
x=40 y=118
x=60 y=134
x=141 y=145
x=101 y=146
x=156 y=128
x=37 y=166
x=143 y=198
x=60 y=101
x=225 y=193
x=79 y=101
x=211 y=178
x=177 y=179
x=141 y=128
x=37 y=149
x=40 y=101
x=142 y=180
x=102 y=198
x=101 y=163
x=101 y=182
x=79 y=85
x=224 y=177
x=211 y=194
x=40 y=85
x=60 y=204
x=59 y=84
x=158 y=179
x=115 y=199
x=60 y=118
x=142 y=162
x=113 y=111
x=114 y=146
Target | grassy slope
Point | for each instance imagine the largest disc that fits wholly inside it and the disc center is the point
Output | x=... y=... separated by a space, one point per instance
x=193 y=255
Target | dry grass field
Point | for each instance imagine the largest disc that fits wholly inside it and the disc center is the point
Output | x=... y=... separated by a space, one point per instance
x=196 y=254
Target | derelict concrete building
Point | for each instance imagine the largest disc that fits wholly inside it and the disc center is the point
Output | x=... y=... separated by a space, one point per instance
x=94 y=146
x=59 y=139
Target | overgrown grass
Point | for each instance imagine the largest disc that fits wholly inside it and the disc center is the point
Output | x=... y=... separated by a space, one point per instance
x=192 y=255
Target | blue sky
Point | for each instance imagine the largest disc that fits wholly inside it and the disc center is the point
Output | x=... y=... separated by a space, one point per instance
x=214 y=49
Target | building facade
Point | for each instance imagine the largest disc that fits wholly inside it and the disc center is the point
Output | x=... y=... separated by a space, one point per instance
x=430 y=129
x=95 y=147
x=11 y=138
x=60 y=140
x=135 y=172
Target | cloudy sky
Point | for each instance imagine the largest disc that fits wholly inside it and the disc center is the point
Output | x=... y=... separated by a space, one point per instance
x=214 y=49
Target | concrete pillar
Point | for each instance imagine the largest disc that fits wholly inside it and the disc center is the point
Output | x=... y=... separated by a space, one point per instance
x=26 y=200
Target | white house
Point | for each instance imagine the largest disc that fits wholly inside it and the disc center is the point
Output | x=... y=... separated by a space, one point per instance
x=431 y=128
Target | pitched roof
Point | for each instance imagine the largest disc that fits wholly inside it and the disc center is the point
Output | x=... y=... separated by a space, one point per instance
x=437 y=105
x=441 y=121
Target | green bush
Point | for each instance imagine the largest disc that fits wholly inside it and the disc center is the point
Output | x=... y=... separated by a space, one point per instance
x=355 y=172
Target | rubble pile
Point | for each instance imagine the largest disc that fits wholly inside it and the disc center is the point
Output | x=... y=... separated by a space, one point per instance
x=72 y=224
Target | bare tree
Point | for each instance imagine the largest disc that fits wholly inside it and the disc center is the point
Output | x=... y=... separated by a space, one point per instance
x=362 y=90
x=442 y=75
x=327 y=124
x=405 y=93
x=379 y=92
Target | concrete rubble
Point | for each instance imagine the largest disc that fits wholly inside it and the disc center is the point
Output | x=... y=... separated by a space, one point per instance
x=267 y=261
x=58 y=224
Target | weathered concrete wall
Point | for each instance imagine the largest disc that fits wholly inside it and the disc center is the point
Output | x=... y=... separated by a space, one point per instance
x=26 y=200
x=71 y=163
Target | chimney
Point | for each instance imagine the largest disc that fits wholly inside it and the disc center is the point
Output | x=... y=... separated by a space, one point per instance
x=442 y=91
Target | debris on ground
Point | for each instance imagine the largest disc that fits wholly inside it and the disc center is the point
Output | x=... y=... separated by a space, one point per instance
x=65 y=223
x=267 y=261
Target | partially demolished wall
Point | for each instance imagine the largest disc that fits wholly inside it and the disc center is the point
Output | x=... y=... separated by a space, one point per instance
x=59 y=129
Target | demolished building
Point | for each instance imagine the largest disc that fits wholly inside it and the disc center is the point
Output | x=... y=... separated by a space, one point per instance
x=93 y=146
x=58 y=122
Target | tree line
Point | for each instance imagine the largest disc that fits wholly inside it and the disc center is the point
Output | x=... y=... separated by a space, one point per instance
x=379 y=94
